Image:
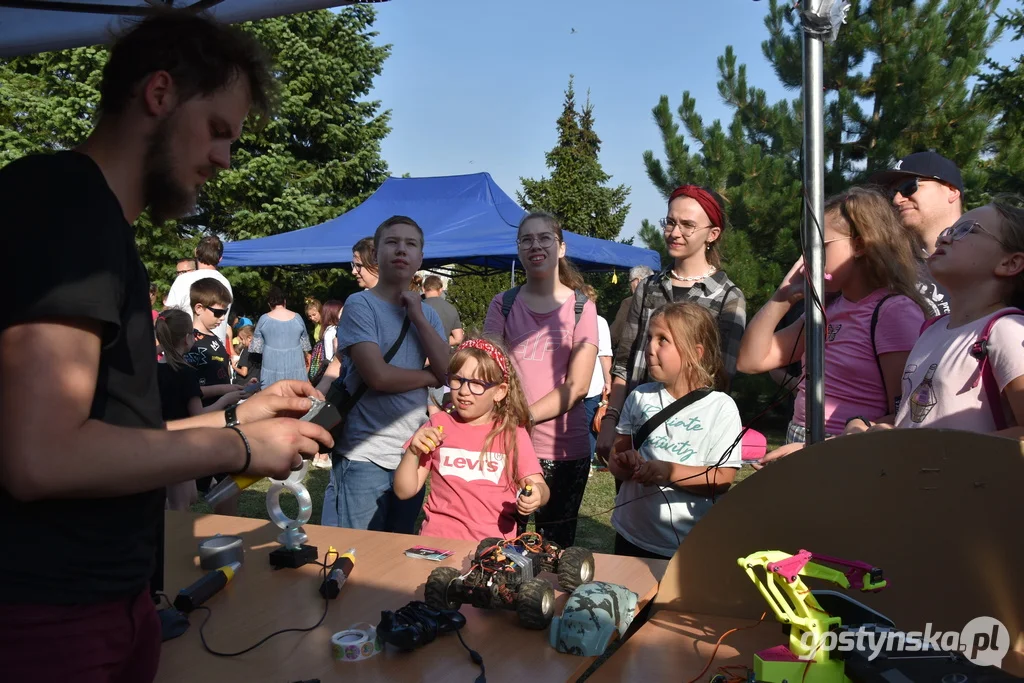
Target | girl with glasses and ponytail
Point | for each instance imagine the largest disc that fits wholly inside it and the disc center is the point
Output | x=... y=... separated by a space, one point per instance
x=550 y=328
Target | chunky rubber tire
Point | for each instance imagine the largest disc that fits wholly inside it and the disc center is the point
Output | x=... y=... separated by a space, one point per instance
x=535 y=604
x=435 y=592
x=484 y=545
x=575 y=568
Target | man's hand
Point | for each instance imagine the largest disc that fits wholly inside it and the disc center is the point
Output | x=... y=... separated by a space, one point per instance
x=279 y=445
x=287 y=398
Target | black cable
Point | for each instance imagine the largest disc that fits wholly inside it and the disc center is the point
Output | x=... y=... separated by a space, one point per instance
x=209 y=613
x=475 y=656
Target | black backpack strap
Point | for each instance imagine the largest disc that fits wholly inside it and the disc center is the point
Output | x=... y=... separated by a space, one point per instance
x=581 y=301
x=507 y=299
x=358 y=394
x=659 y=418
x=874 y=348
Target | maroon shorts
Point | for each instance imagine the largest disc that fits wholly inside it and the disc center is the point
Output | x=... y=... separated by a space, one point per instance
x=113 y=642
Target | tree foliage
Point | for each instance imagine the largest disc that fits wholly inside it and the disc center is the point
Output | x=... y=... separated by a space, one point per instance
x=317 y=157
x=1003 y=89
x=576 y=191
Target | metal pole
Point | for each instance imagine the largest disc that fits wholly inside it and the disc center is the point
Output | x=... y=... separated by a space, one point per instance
x=513 y=281
x=814 y=187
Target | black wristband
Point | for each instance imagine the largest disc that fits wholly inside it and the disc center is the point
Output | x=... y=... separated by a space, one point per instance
x=230 y=417
x=248 y=450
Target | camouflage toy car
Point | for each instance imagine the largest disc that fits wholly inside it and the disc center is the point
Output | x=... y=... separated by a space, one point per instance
x=503 y=576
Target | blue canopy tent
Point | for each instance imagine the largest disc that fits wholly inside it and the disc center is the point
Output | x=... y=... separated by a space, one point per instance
x=466 y=219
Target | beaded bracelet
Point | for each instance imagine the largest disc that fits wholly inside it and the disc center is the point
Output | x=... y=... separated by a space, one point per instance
x=248 y=450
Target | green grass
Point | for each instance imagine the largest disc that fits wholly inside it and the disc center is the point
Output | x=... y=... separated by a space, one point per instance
x=593 y=530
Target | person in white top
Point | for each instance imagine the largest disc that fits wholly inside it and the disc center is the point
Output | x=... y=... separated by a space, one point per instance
x=208 y=256
x=601 y=382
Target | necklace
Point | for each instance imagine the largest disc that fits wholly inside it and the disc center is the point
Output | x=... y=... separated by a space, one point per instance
x=694 y=278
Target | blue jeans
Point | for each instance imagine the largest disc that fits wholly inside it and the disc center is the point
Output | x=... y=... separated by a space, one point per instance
x=360 y=495
x=590 y=407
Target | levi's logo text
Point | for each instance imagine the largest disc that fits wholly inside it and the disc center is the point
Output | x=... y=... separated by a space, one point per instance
x=470 y=465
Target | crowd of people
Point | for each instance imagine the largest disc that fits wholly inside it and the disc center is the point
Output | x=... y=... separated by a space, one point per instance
x=923 y=331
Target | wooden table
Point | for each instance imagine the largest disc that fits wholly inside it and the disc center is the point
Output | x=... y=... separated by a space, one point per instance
x=676 y=646
x=260 y=601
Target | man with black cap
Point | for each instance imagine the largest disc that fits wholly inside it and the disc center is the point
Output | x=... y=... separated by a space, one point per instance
x=928 y=192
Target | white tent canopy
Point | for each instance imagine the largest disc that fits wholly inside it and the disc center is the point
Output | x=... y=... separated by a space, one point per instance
x=31 y=26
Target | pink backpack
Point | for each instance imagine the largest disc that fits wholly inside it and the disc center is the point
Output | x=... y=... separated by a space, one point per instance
x=755 y=445
x=979 y=351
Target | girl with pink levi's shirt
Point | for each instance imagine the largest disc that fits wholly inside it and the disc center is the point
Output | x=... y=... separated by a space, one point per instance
x=485 y=471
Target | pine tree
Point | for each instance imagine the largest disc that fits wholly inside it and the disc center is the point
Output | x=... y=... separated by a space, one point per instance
x=1003 y=89
x=318 y=157
x=576 y=190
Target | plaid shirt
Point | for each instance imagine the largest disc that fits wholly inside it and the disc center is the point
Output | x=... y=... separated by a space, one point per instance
x=716 y=293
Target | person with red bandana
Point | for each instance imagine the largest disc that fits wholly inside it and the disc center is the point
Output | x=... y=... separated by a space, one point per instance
x=693 y=232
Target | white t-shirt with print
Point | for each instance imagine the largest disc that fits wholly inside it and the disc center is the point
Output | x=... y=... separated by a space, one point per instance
x=330 y=335
x=698 y=436
x=604 y=348
x=937 y=379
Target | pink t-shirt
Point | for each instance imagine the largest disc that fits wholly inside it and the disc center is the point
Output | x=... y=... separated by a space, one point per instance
x=470 y=500
x=853 y=383
x=937 y=392
x=541 y=344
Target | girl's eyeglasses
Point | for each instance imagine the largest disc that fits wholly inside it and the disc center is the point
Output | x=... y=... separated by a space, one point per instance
x=476 y=386
x=961 y=230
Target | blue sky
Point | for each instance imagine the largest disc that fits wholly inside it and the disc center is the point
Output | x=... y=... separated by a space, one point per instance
x=477 y=85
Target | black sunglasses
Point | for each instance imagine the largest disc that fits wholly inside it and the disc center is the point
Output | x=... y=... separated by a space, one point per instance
x=219 y=312
x=906 y=188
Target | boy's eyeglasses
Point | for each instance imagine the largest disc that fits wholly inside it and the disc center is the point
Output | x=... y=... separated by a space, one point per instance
x=961 y=230
x=218 y=312
x=476 y=387
x=545 y=240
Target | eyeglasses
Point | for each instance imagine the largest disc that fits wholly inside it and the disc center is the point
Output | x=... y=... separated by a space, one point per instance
x=545 y=240
x=217 y=312
x=957 y=232
x=669 y=225
x=476 y=387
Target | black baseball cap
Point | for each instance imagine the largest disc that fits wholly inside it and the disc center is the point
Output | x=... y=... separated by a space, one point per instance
x=921 y=165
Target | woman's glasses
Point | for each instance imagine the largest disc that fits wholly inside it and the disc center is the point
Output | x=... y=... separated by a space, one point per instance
x=669 y=225
x=545 y=240
x=476 y=387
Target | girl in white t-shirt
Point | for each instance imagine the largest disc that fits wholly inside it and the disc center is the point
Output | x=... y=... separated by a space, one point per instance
x=947 y=383
x=692 y=455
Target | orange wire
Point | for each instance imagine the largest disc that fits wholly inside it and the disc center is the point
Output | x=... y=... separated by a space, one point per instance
x=718 y=644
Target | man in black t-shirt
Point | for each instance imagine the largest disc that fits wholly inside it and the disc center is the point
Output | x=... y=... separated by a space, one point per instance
x=85 y=454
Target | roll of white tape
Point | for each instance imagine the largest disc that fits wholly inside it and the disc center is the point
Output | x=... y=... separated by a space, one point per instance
x=356 y=643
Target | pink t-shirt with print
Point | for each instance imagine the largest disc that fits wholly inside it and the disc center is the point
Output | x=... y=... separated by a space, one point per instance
x=853 y=384
x=937 y=391
x=541 y=344
x=469 y=500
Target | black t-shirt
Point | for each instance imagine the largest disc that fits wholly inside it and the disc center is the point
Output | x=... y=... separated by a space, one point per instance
x=177 y=388
x=244 y=361
x=212 y=362
x=60 y=206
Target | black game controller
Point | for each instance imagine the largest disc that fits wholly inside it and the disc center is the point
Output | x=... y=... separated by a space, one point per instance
x=417 y=624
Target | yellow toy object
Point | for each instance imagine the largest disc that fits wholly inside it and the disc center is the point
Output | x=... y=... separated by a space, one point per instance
x=804 y=660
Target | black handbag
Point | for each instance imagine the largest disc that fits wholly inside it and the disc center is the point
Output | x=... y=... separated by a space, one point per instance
x=339 y=397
